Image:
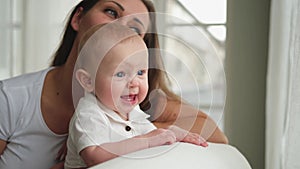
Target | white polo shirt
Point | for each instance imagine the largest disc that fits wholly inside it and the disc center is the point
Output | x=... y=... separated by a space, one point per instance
x=94 y=124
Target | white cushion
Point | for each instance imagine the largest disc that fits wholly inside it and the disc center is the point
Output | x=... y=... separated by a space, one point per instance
x=181 y=156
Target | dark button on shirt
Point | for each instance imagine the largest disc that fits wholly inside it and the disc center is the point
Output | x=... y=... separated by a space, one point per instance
x=127 y=128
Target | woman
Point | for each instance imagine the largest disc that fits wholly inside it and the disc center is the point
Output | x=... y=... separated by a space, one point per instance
x=157 y=78
x=36 y=108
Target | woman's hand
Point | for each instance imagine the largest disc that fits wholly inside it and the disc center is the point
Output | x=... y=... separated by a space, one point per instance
x=2 y=146
x=61 y=155
x=59 y=165
x=188 y=137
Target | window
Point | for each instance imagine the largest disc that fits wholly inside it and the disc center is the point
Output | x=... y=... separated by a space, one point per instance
x=31 y=32
x=10 y=36
x=193 y=36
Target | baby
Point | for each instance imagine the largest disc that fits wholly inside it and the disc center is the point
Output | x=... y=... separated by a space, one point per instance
x=112 y=68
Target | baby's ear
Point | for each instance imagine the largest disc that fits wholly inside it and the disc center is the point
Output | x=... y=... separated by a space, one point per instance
x=85 y=80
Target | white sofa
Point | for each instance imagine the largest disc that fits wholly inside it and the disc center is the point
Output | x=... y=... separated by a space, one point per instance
x=181 y=156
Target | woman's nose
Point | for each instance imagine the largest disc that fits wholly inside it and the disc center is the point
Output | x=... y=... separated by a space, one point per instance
x=123 y=21
x=126 y=22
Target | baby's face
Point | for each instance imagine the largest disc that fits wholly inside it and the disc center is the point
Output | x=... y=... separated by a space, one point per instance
x=122 y=77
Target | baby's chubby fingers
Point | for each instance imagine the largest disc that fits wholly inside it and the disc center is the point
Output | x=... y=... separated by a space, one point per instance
x=159 y=137
x=188 y=137
x=196 y=139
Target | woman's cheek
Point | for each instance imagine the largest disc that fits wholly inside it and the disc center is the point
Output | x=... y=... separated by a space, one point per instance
x=143 y=91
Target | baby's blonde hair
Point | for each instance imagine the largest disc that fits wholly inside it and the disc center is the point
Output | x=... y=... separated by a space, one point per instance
x=99 y=40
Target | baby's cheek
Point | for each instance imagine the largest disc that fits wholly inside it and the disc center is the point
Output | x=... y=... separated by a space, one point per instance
x=143 y=93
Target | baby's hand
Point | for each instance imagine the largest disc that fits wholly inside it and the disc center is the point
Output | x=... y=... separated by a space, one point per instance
x=159 y=137
x=188 y=137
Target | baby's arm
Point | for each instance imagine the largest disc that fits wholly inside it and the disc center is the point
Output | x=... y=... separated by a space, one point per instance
x=188 y=137
x=97 y=154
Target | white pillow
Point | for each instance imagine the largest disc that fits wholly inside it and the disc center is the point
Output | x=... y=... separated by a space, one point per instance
x=181 y=156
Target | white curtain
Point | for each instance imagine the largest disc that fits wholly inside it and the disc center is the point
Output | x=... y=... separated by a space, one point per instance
x=30 y=31
x=45 y=21
x=283 y=87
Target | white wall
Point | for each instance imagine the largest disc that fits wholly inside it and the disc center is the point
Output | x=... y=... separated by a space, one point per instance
x=245 y=67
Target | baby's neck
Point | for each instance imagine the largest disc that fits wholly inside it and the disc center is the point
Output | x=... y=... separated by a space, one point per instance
x=124 y=116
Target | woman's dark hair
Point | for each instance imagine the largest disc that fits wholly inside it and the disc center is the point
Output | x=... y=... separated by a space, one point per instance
x=156 y=76
x=63 y=51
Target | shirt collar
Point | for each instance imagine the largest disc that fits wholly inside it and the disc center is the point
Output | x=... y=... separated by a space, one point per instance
x=135 y=115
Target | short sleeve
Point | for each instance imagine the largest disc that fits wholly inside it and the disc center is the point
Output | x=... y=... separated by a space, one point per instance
x=7 y=119
x=147 y=127
x=89 y=127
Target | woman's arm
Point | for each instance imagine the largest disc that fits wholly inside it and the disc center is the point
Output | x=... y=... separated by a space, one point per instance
x=2 y=146
x=191 y=119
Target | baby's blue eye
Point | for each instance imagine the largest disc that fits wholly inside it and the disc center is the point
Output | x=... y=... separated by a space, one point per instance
x=120 y=74
x=141 y=72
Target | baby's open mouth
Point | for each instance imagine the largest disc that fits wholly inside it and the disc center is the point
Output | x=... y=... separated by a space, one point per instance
x=132 y=98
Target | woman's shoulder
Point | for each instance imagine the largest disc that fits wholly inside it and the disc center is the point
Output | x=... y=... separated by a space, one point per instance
x=19 y=95
x=28 y=79
x=17 y=91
